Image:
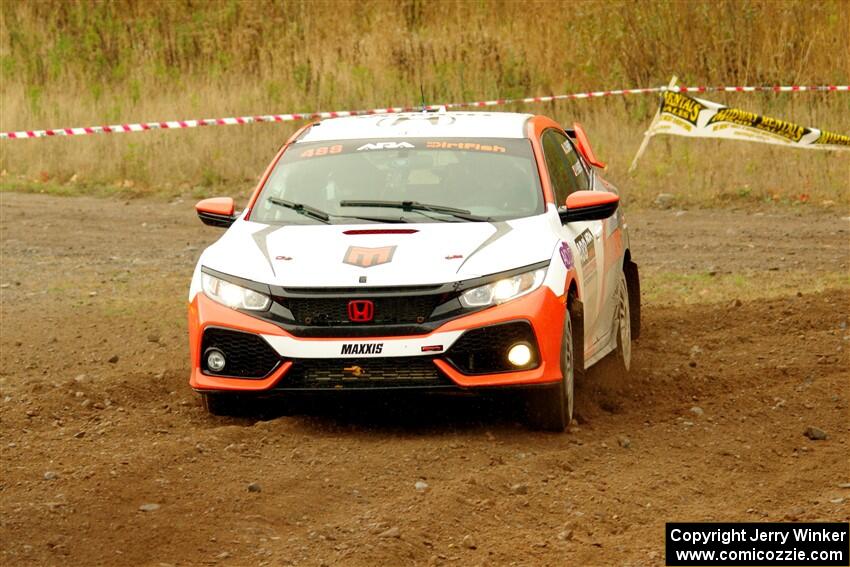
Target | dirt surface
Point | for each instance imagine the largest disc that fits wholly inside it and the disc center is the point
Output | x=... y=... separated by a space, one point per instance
x=108 y=458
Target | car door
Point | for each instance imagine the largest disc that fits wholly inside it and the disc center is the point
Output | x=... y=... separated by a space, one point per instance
x=612 y=240
x=568 y=173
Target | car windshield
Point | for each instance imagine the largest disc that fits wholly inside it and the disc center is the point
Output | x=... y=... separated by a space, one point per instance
x=402 y=180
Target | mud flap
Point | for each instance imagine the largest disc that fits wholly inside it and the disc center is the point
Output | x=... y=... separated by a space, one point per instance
x=577 y=312
x=630 y=269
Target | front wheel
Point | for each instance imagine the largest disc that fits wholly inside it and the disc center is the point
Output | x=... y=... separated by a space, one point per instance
x=551 y=408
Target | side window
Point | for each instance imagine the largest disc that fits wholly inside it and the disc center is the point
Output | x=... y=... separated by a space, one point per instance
x=578 y=166
x=564 y=165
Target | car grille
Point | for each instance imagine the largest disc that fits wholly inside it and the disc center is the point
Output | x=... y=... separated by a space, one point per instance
x=333 y=311
x=484 y=350
x=247 y=355
x=389 y=372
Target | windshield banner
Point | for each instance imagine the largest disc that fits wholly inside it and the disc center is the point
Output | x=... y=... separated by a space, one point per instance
x=682 y=115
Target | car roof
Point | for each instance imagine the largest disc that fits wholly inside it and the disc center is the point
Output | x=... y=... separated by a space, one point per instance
x=420 y=125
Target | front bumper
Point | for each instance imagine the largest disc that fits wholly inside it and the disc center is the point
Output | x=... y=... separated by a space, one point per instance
x=401 y=357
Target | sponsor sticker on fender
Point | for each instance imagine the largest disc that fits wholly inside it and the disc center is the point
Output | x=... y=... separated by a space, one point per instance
x=566 y=255
x=587 y=253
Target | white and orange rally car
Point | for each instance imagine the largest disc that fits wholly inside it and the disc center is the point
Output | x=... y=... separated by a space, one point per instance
x=457 y=250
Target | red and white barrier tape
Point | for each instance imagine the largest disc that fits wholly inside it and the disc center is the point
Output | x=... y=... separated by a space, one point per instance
x=141 y=127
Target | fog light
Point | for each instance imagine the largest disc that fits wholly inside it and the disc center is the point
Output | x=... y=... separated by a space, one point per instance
x=519 y=354
x=215 y=360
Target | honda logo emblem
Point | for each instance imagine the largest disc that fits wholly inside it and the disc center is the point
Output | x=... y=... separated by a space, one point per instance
x=361 y=310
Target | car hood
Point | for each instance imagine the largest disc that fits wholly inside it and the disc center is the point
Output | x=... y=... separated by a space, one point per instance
x=378 y=255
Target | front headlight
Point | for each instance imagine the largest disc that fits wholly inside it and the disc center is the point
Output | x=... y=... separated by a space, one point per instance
x=234 y=296
x=503 y=290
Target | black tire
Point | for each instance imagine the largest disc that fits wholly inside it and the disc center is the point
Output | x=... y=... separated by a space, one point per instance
x=551 y=408
x=622 y=356
x=223 y=404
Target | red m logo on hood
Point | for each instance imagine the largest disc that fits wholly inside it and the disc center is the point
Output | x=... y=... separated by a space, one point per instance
x=368 y=257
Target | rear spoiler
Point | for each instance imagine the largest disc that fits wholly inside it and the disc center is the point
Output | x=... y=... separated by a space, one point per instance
x=578 y=134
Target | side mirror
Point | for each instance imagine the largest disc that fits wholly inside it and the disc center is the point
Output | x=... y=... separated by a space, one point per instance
x=218 y=211
x=589 y=206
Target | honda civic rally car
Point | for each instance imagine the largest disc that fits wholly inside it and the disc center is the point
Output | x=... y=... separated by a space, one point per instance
x=434 y=250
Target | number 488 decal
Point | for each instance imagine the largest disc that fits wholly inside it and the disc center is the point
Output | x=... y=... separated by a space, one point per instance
x=322 y=151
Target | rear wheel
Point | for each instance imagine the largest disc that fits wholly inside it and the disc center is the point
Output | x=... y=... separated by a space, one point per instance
x=551 y=408
x=223 y=404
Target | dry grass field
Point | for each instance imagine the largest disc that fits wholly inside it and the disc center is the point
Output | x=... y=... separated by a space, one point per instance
x=83 y=63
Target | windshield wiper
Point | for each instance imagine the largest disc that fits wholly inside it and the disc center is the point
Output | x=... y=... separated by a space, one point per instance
x=321 y=215
x=417 y=206
x=302 y=209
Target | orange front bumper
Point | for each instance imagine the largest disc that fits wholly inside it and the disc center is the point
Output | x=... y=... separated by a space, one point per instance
x=542 y=308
